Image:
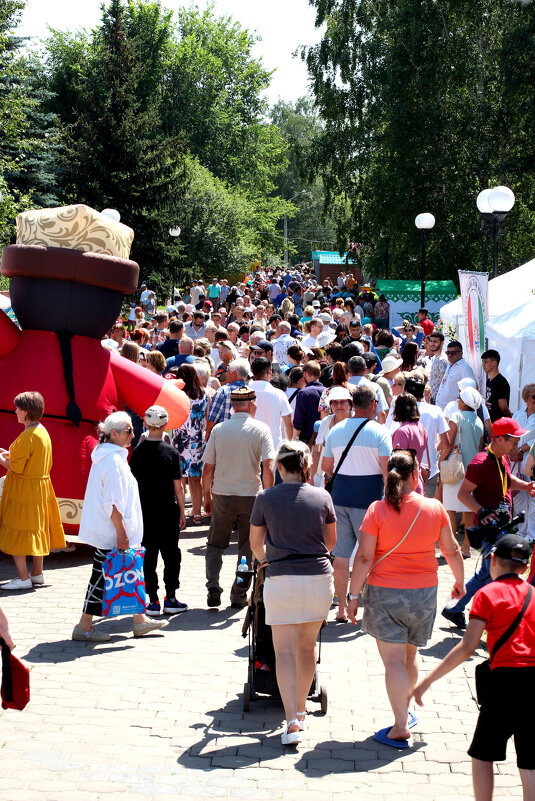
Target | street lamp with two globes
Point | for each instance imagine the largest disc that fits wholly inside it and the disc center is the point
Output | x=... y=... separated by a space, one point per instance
x=494 y=205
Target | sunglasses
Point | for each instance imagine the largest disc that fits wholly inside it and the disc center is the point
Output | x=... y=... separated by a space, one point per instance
x=453 y=352
x=128 y=430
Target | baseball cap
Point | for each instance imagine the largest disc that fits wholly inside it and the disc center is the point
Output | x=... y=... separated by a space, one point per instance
x=355 y=322
x=262 y=344
x=156 y=416
x=506 y=426
x=325 y=317
x=370 y=358
x=513 y=547
x=207 y=303
x=471 y=397
x=339 y=393
x=170 y=309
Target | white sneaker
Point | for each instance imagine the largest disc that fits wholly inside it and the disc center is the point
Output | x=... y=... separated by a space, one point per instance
x=17 y=584
x=40 y=579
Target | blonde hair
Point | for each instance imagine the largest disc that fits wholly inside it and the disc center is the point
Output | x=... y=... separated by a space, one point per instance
x=527 y=390
x=130 y=351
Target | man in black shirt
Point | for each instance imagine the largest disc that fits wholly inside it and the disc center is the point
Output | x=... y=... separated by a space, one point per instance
x=170 y=346
x=156 y=466
x=498 y=390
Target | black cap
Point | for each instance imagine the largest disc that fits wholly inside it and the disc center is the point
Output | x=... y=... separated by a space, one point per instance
x=513 y=547
x=370 y=358
x=263 y=344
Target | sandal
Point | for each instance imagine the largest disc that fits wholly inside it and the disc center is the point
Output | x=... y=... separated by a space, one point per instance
x=301 y=719
x=466 y=555
x=197 y=520
x=340 y=619
x=291 y=737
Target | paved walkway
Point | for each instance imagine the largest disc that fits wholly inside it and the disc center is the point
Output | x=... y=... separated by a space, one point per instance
x=161 y=717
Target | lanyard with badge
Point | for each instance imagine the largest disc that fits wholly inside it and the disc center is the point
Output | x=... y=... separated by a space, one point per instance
x=502 y=471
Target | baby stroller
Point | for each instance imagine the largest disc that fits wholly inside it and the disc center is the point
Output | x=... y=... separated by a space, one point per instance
x=261 y=678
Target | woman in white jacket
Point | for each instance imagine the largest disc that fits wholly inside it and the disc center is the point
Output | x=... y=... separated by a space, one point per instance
x=111 y=518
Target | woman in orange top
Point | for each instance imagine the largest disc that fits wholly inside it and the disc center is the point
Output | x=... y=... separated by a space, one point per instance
x=397 y=555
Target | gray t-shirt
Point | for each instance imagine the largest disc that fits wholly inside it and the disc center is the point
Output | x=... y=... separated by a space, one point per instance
x=295 y=515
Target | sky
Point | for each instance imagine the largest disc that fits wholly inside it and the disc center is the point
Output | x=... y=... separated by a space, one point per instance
x=283 y=26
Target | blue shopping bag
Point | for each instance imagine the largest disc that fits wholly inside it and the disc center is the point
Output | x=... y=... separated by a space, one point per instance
x=124 y=583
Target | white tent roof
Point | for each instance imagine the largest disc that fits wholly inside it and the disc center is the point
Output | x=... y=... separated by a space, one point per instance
x=505 y=293
x=517 y=323
x=5 y=303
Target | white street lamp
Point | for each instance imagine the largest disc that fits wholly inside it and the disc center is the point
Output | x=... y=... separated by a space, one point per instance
x=113 y=214
x=424 y=222
x=494 y=205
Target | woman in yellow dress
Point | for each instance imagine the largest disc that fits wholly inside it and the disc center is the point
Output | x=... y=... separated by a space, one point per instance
x=30 y=521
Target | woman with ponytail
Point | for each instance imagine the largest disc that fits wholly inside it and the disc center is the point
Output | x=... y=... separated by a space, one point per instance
x=396 y=557
x=293 y=530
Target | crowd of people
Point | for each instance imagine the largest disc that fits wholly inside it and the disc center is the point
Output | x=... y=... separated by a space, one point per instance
x=307 y=404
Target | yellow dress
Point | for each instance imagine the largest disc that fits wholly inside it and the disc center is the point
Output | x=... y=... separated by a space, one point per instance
x=30 y=520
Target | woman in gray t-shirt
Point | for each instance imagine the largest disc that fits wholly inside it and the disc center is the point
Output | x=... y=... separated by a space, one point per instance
x=293 y=529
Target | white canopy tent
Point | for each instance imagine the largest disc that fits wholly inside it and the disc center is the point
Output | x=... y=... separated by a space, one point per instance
x=513 y=335
x=505 y=293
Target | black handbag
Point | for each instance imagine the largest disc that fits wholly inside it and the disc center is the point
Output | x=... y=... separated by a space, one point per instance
x=329 y=483
x=483 y=670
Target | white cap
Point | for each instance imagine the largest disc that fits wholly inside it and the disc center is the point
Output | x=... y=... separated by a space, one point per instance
x=466 y=382
x=339 y=393
x=156 y=416
x=471 y=397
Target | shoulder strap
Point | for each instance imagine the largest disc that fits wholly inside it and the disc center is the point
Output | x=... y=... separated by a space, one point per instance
x=348 y=446
x=416 y=516
x=514 y=625
x=292 y=396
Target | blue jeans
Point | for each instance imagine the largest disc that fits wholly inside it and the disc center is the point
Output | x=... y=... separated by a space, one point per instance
x=478 y=580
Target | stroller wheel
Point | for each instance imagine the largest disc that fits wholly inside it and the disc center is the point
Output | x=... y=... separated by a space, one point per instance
x=246 y=696
x=324 y=700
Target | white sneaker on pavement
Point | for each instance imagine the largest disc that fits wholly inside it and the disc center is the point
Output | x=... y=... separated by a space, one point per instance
x=40 y=579
x=17 y=584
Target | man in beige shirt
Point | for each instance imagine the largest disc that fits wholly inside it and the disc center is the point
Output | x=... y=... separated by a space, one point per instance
x=231 y=481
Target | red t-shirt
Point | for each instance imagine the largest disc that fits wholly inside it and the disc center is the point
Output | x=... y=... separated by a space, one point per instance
x=414 y=563
x=427 y=324
x=484 y=472
x=497 y=604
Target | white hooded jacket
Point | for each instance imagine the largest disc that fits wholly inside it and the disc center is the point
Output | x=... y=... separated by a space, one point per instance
x=110 y=484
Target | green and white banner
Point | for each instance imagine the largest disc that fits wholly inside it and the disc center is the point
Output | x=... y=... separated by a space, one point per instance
x=404 y=298
x=475 y=314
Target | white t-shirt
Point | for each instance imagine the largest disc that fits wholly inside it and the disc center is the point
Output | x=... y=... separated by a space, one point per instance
x=433 y=420
x=449 y=388
x=143 y=298
x=271 y=405
x=358 y=380
x=291 y=392
x=196 y=292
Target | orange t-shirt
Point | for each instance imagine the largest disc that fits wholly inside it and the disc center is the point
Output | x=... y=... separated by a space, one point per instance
x=414 y=563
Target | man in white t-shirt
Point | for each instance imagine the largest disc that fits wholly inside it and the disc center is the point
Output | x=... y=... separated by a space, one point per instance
x=272 y=404
x=196 y=291
x=282 y=342
x=357 y=370
x=457 y=369
x=311 y=339
x=433 y=420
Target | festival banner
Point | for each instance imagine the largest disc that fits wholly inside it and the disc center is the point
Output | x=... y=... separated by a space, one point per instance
x=474 y=299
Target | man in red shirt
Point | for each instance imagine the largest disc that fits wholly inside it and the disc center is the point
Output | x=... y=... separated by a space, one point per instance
x=423 y=320
x=487 y=485
x=509 y=707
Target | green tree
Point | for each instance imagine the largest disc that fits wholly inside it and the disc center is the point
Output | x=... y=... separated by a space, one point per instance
x=413 y=94
x=114 y=152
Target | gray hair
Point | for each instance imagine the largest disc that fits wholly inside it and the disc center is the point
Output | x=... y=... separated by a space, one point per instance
x=203 y=369
x=117 y=421
x=285 y=327
x=356 y=365
x=363 y=396
x=241 y=367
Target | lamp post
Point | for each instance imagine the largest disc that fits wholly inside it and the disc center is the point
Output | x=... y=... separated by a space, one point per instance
x=424 y=222
x=175 y=232
x=494 y=205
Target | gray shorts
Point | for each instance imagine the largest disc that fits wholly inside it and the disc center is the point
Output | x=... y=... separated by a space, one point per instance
x=348 y=523
x=400 y=615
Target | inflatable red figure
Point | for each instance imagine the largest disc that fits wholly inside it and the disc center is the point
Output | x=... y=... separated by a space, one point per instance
x=66 y=287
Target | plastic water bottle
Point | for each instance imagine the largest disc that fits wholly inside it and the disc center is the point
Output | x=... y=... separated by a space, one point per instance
x=242 y=568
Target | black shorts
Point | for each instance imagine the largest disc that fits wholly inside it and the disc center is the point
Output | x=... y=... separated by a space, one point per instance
x=509 y=713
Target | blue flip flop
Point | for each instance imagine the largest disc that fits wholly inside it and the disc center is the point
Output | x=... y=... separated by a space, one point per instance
x=413 y=720
x=382 y=737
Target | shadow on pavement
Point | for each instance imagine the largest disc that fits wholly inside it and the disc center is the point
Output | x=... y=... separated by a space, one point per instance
x=68 y=650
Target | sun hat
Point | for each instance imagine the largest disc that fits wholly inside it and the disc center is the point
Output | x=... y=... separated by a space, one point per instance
x=339 y=393
x=390 y=363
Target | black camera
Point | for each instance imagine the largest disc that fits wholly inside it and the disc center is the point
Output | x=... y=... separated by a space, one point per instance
x=490 y=531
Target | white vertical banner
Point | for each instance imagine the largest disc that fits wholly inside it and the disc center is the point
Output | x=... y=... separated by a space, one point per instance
x=475 y=314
